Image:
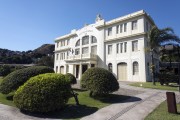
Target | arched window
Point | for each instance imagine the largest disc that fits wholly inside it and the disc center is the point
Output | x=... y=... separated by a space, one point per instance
x=85 y=40
x=78 y=43
x=135 y=68
x=93 y=39
x=110 y=67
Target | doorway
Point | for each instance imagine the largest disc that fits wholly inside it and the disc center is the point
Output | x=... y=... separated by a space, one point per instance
x=84 y=68
x=122 y=71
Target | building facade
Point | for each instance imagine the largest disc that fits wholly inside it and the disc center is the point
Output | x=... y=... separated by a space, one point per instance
x=117 y=45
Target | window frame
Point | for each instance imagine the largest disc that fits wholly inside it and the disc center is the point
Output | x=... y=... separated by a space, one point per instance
x=109 y=30
x=133 y=46
x=109 y=52
x=135 y=68
x=134 y=25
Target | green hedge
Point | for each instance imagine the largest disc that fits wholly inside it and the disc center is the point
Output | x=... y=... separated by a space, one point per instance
x=71 y=78
x=17 y=78
x=99 y=81
x=43 y=93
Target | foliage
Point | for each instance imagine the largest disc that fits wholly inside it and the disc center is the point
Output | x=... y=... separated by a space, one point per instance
x=25 y=57
x=43 y=93
x=71 y=78
x=5 y=70
x=158 y=36
x=99 y=81
x=17 y=78
x=166 y=78
x=46 y=61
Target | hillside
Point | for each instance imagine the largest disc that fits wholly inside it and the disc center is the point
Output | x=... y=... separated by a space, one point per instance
x=45 y=49
x=25 y=57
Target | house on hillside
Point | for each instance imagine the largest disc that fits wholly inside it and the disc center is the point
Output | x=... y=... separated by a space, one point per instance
x=117 y=45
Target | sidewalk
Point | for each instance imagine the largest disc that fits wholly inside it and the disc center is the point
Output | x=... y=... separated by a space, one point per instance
x=132 y=109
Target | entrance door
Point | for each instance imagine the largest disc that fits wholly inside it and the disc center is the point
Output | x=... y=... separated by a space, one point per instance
x=84 y=68
x=77 y=71
x=62 y=69
x=122 y=71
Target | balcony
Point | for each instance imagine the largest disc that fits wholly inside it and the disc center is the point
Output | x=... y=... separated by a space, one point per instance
x=88 y=56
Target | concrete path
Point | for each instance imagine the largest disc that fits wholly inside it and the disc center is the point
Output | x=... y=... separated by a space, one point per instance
x=142 y=102
x=132 y=108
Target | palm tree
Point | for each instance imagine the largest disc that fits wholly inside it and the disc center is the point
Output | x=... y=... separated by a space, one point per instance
x=157 y=37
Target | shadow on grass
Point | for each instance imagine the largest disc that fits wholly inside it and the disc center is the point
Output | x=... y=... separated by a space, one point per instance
x=69 y=112
x=114 y=98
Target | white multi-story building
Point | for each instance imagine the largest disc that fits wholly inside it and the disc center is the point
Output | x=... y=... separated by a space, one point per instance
x=117 y=45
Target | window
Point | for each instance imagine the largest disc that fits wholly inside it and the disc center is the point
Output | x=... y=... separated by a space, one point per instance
x=134 y=25
x=85 y=40
x=125 y=46
x=109 y=49
x=85 y=50
x=125 y=27
x=67 y=68
x=57 y=44
x=94 y=49
x=57 y=56
x=68 y=52
x=121 y=47
x=78 y=43
x=117 y=47
x=93 y=40
x=77 y=51
x=62 y=56
x=135 y=68
x=121 y=28
x=110 y=31
x=56 y=69
x=68 y=42
x=62 y=43
x=134 y=45
x=110 y=67
x=117 y=29
x=62 y=69
x=147 y=27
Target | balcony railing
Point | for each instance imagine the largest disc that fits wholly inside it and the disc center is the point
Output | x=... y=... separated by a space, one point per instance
x=88 y=56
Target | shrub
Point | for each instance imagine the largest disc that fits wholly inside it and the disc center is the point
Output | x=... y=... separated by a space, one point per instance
x=17 y=78
x=99 y=81
x=71 y=78
x=166 y=78
x=5 y=70
x=43 y=93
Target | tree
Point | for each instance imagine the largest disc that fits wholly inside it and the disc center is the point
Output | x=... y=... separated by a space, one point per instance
x=46 y=61
x=157 y=37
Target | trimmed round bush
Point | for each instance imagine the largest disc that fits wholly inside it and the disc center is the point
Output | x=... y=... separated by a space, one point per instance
x=17 y=78
x=43 y=93
x=71 y=78
x=99 y=81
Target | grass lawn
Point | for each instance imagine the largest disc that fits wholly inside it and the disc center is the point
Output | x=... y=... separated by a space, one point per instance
x=161 y=113
x=157 y=86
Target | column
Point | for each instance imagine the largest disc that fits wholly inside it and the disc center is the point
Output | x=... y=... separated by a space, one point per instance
x=80 y=71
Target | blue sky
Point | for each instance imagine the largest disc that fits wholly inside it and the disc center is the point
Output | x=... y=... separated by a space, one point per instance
x=27 y=24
